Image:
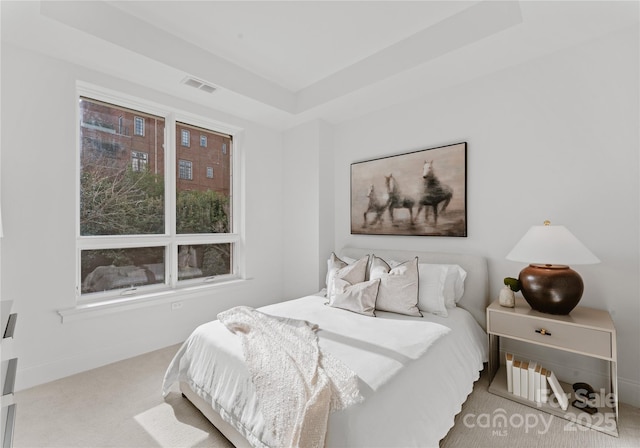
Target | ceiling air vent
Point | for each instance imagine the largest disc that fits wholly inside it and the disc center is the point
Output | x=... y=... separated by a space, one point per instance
x=201 y=85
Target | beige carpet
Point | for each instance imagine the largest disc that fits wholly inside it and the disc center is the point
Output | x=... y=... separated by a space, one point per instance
x=120 y=405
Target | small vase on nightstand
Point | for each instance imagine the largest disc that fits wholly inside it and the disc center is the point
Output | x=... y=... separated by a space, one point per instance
x=507 y=298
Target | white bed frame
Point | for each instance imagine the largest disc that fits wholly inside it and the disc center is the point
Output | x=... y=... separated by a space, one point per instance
x=475 y=300
x=225 y=428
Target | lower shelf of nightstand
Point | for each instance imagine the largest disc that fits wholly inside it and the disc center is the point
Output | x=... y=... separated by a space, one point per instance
x=8 y=424
x=604 y=420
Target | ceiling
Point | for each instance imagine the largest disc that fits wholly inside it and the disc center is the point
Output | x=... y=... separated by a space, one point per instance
x=294 y=44
x=283 y=63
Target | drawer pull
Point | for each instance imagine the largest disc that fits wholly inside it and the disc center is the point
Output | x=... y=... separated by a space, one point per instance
x=543 y=332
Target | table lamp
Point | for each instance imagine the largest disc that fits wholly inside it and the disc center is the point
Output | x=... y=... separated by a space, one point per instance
x=548 y=284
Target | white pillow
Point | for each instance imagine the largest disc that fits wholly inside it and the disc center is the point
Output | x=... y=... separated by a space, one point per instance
x=350 y=273
x=359 y=298
x=454 y=285
x=398 y=291
x=439 y=283
x=431 y=295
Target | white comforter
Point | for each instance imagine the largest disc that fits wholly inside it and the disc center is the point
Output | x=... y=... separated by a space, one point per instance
x=376 y=349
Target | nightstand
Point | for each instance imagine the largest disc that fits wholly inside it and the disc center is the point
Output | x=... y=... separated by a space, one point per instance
x=8 y=373
x=585 y=331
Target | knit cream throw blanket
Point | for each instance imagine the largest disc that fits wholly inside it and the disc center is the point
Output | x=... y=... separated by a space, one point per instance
x=297 y=385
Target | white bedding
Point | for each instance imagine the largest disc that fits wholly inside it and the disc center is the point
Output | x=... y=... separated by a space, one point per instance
x=414 y=373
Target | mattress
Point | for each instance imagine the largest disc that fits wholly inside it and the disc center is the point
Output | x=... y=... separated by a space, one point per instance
x=414 y=373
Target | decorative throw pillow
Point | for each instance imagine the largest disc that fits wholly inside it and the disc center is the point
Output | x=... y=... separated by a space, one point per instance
x=359 y=298
x=398 y=291
x=333 y=265
x=350 y=273
x=432 y=283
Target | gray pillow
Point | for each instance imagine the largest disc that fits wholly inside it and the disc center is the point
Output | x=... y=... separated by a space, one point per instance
x=359 y=298
x=398 y=291
x=339 y=270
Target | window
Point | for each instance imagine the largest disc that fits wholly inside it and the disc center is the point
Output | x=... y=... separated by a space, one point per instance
x=186 y=138
x=203 y=260
x=203 y=141
x=128 y=241
x=185 y=169
x=101 y=146
x=210 y=172
x=138 y=126
x=139 y=161
x=224 y=149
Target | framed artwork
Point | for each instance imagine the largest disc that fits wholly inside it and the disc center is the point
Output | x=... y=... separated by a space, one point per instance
x=417 y=193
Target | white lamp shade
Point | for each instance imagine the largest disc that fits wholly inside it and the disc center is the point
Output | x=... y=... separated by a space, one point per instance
x=551 y=245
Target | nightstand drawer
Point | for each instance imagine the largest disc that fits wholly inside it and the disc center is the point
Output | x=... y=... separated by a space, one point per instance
x=567 y=337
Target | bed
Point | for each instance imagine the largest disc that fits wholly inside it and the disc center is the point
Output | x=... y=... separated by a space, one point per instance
x=411 y=392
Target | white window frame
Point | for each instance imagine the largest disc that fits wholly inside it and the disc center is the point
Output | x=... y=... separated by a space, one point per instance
x=180 y=162
x=172 y=289
x=203 y=139
x=136 y=166
x=209 y=170
x=186 y=143
x=136 y=120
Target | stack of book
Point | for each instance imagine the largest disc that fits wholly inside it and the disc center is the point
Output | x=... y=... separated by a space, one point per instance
x=530 y=381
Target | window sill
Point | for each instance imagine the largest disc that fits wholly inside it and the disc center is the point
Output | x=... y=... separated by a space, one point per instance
x=116 y=305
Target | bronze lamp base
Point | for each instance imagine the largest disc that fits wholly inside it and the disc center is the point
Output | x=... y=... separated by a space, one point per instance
x=551 y=289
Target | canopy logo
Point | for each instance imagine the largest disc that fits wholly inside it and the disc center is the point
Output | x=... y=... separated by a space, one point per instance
x=499 y=421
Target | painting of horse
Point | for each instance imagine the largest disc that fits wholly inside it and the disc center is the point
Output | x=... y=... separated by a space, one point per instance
x=434 y=193
x=375 y=206
x=397 y=199
x=422 y=192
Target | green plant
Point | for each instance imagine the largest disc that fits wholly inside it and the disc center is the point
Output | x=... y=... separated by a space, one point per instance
x=512 y=283
x=202 y=212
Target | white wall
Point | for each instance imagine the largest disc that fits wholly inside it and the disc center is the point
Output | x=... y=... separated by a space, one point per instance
x=308 y=207
x=555 y=138
x=38 y=200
